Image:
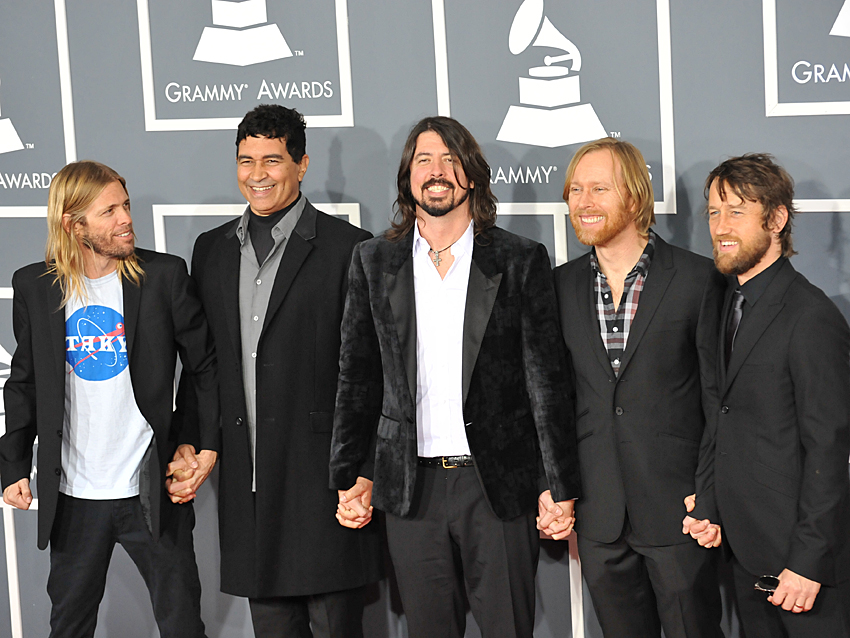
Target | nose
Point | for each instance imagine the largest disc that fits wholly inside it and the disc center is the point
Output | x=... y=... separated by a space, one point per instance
x=124 y=218
x=258 y=171
x=719 y=224
x=438 y=167
x=581 y=199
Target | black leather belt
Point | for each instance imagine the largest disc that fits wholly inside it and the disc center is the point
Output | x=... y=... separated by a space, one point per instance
x=447 y=462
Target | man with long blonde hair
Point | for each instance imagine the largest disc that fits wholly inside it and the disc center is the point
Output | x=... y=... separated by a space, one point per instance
x=639 y=318
x=99 y=324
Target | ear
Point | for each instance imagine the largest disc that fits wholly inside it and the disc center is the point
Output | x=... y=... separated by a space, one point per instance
x=302 y=166
x=66 y=223
x=778 y=219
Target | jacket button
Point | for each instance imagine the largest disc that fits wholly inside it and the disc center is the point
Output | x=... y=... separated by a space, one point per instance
x=59 y=433
x=239 y=420
x=619 y=411
x=57 y=472
x=724 y=409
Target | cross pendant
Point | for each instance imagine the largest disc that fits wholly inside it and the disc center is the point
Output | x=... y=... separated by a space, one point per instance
x=437 y=258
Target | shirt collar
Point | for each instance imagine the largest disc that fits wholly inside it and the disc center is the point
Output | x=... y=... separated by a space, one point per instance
x=755 y=287
x=461 y=247
x=281 y=229
x=642 y=265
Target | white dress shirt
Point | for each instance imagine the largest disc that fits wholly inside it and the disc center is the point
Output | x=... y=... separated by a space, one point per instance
x=440 y=306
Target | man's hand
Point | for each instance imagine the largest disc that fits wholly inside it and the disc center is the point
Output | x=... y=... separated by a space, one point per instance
x=706 y=533
x=187 y=472
x=18 y=494
x=355 y=505
x=556 y=520
x=795 y=593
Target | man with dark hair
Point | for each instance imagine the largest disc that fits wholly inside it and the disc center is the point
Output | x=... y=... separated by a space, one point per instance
x=273 y=284
x=639 y=318
x=452 y=362
x=781 y=429
x=99 y=325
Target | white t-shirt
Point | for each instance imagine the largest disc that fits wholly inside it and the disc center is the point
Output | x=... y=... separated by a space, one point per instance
x=104 y=435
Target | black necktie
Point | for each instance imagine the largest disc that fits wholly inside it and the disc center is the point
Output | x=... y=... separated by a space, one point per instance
x=734 y=322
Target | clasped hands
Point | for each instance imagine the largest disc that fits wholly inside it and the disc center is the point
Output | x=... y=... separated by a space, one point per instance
x=555 y=520
x=187 y=472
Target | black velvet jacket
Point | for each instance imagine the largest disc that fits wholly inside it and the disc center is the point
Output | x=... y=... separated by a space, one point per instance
x=517 y=408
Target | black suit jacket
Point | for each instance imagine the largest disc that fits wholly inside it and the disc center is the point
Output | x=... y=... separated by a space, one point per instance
x=286 y=541
x=781 y=435
x=514 y=379
x=162 y=317
x=639 y=433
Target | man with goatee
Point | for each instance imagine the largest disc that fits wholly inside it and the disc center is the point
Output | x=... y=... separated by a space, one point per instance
x=781 y=430
x=453 y=395
x=639 y=318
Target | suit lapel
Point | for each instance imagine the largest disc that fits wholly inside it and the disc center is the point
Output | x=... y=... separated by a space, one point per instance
x=295 y=253
x=56 y=323
x=132 y=301
x=586 y=304
x=721 y=343
x=661 y=272
x=398 y=277
x=753 y=326
x=480 y=297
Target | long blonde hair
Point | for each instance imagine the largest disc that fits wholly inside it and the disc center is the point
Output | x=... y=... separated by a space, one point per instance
x=72 y=191
x=635 y=177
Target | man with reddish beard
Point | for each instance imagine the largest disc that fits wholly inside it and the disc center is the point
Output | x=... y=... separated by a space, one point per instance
x=639 y=318
x=453 y=395
x=781 y=429
x=99 y=325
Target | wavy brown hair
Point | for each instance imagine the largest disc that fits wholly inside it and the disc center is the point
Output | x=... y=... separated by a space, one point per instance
x=758 y=178
x=72 y=191
x=465 y=150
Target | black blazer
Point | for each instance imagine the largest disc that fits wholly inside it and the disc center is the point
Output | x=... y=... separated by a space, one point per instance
x=287 y=542
x=781 y=435
x=516 y=403
x=639 y=433
x=162 y=317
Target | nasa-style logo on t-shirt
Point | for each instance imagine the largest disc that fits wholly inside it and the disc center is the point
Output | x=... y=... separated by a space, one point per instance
x=95 y=345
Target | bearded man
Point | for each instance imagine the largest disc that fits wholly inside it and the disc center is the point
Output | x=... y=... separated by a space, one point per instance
x=99 y=325
x=639 y=318
x=453 y=395
x=781 y=429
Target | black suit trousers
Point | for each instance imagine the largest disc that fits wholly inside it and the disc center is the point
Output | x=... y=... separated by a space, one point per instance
x=452 y=542
x=638 y=588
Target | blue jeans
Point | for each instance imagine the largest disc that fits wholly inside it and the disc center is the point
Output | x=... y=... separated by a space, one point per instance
x=81 y=543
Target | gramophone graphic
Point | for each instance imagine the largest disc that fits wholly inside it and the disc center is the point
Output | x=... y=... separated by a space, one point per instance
x=554 y=116
x=9 y=140
x=842 y=22
x=241 y=37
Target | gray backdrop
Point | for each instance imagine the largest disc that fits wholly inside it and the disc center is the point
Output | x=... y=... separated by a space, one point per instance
x=155 y=89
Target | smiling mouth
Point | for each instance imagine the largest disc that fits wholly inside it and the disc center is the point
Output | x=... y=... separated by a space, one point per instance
x=261 y=189
x=591 y=219
x=438 y=187
x=727 y=243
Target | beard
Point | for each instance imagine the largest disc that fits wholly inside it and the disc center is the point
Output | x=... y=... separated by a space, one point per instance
x=105 y=245
x=438 y=209
x=747 y=257
x=613 y=225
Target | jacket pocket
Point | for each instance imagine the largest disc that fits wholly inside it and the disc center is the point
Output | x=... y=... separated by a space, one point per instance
x=388 y=428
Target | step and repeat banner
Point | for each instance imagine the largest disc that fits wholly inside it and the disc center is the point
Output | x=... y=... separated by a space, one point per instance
x=156 y=88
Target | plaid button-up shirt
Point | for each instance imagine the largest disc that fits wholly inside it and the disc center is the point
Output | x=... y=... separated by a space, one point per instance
x=615 y=322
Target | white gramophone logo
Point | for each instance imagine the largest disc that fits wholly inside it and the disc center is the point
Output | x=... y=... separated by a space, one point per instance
x=842 y=22
x=554 y=116
x=9 y=140
x=241 y=36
